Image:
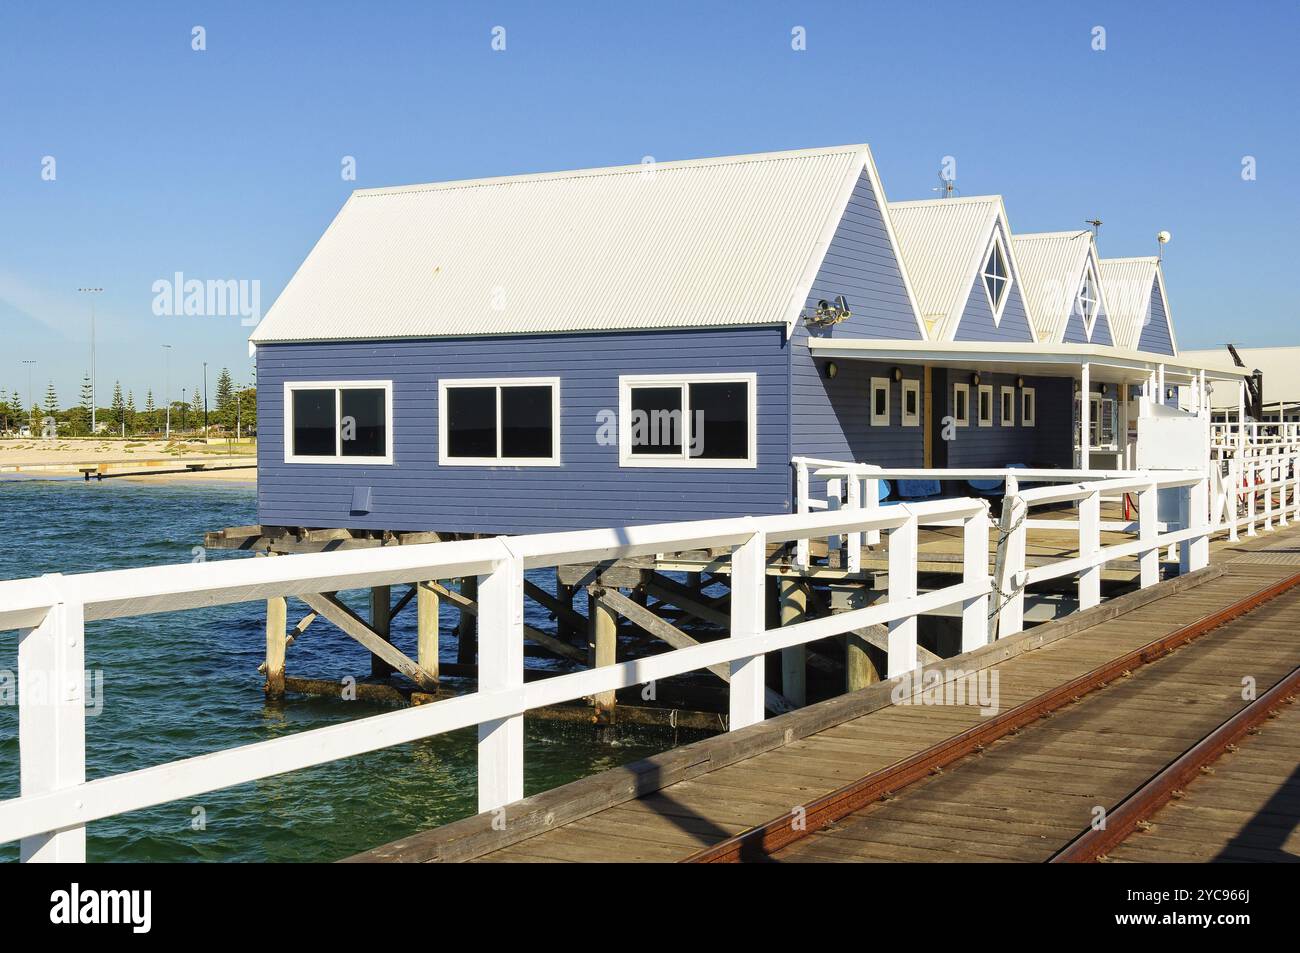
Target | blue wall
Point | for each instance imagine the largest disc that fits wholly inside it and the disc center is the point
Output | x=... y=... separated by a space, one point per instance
x=1155 y=333
x=1048 y=443
x=589 y=489
x=860 y=264
x=977 y=317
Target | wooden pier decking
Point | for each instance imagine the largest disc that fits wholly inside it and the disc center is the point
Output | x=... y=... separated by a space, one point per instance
x=1023 y=798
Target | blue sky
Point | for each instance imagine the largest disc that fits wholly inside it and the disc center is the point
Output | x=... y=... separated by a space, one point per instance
x=225 y=163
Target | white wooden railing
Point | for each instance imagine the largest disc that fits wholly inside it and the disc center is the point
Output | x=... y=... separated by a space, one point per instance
x=1254 y=433
x=50 y=613
x=1254 y=484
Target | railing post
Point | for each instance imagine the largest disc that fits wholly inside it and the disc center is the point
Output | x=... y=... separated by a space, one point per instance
x=1149 y=556
x=52 y=718
x=902 y=585
x=1267 y=457
x=834 y=501
x=1234 y=497
x=1009 y=565
x=801 y=556
x=871 y=503
x=1249 y=474
x=1295 y=489
x=975 y=569
x=748 y=619
x=501 y=668
x=855 y=539
x=1198 y=549
x=1090 y=545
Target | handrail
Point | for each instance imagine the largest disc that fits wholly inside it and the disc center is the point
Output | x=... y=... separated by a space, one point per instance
x=56 y=804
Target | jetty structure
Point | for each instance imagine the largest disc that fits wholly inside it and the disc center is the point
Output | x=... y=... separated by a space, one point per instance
x=763 y=448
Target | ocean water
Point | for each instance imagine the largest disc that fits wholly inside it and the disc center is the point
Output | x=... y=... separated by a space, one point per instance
x=181 y=684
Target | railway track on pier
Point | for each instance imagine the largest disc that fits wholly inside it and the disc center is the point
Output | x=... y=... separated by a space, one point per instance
x=1116 y=761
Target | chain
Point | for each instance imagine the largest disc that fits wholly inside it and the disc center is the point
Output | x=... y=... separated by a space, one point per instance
x=1003 y=535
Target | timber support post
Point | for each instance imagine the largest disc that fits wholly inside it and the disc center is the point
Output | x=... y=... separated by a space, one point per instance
x=381 y=608
x=426 y=608
x=794 y=669
x=602 y=642
x=277 y=619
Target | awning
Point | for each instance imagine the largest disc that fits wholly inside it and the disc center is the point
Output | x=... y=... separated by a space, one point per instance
x=1104 y=363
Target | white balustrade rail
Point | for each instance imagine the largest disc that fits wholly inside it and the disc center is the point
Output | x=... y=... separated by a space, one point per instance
x=56 y=802
x=1253 y=484
x=1254 y=433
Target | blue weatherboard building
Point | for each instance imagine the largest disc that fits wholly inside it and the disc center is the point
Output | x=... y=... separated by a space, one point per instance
x=657 y=342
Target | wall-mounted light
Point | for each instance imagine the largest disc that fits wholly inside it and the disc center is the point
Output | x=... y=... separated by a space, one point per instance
x=1169 y=393
x=831 y=370
x=1104 y=388
x=975 y=378
x=1020 y=382
x=898 y=373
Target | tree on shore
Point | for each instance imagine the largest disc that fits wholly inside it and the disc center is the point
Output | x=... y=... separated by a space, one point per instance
x=150 y=411
x=118 y=409
x=84 y=415
x=225 y=400
x=130 y=413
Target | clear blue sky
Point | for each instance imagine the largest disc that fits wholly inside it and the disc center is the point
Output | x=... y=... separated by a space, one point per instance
x=226 y=163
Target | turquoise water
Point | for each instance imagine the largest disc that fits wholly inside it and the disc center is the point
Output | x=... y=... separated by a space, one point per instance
x=186 y=683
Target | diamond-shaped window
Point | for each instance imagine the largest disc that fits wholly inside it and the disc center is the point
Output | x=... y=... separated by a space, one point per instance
x=997 y=278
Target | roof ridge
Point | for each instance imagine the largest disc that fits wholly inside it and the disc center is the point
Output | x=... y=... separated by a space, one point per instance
x=951 y=200
x=638 y=168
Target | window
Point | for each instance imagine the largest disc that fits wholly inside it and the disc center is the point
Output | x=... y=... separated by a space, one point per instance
x=338 y=422
x=1028 y=407
x=699 y=420
x=997 y=277
x=507 y=422
x=880 y=401
x=911 y=403
x=1008 y=415
x=1101 y=421
x=986 y=405
x=1087 y=299
x=961 y=404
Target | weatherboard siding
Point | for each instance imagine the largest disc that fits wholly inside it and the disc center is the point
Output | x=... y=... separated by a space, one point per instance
x=977 y=323
x=1048 y=443
x=589 y=488
x=861 y=265
x=1155 y=332
x=1101 y=329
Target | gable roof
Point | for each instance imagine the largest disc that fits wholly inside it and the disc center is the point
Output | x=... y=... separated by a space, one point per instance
x=701 y=243
x=1052 y=265
x=1127 y=285
x=944 y=243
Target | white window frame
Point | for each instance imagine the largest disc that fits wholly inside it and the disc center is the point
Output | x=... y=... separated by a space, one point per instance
x=1089 y=281
x=1006 y=393
x=336 y=386
x=877 y=385
x=683 y=460
x=910 y=387
x=1028 y=407
x=979 y=405
x=446 y=384
x=997 y=307
x=964 y=389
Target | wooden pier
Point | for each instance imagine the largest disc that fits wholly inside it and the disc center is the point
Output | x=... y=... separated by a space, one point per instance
x=865 y=777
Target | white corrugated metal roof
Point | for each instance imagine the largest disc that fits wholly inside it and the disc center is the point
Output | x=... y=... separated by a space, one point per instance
x=1051 y=267
x=939 y=239
x=944 y=243
x=701 y=243
x=1127 y=283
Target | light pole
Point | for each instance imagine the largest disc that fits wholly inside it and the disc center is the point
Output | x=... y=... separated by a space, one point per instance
x=29 y=391
x=92 y=292
x=167 y=385
x=184 y=407
x=205 y=400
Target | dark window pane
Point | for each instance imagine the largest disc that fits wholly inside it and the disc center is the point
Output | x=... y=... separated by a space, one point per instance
x=526 y=422
x=656 y=420
x=960 y=404
x=909 y=403
x=720 y=421
x=986 y=405
x=313 y=423
x=362 y=422
x=881 y=398
x=471 y=421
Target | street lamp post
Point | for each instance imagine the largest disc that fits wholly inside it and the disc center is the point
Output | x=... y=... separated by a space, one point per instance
x=205 y=400
x=29 y=392
x=92 y=292
x=167 y=386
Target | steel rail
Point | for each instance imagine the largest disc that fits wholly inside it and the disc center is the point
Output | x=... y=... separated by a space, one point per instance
x=760 y=841
x=1093 y=844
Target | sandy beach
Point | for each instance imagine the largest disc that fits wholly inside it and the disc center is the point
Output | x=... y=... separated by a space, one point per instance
x=66 y=457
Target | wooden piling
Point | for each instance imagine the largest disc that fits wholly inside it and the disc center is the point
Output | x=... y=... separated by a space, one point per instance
x=277 y=618
x=860 y=665
x=381 y=608
x=426 y=609
x=794 y=609
x=602 y=642
x=467 y=630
